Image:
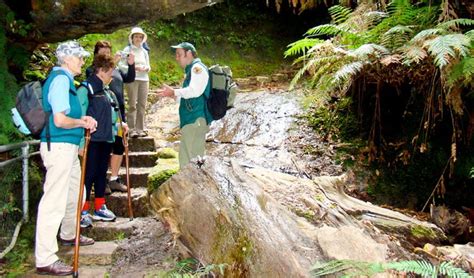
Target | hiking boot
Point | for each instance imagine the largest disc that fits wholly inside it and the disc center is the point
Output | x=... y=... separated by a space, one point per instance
x=107 y=190
x=117 y=185
x=58 y=268
x=86 y=219
x=103 y=214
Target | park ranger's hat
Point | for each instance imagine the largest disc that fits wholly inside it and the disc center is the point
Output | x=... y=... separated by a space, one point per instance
x=185 y=46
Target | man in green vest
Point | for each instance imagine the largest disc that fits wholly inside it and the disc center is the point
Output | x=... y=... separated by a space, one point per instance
x=193 y=114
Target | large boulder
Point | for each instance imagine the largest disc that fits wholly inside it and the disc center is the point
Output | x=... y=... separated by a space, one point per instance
x=264 y=223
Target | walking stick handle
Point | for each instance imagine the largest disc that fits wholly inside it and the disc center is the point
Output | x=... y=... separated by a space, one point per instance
x=79 y=205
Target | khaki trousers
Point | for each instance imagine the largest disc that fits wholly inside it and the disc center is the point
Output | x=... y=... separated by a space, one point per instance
x=58 y=204
x=193 y=141
x=137 y=99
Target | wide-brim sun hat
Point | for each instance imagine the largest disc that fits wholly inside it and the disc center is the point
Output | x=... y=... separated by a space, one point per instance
x=137 y=30
x=71 y=48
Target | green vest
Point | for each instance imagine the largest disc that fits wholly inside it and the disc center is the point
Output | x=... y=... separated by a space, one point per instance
x=63 y=135
x=193 y=108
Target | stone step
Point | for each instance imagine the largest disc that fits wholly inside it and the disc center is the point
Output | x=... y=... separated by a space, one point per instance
x=142 y=159
x=142 y=144
x=88 y=271
x=100 y=253
x=108 y=231
x=118 y=203
x=138 y=176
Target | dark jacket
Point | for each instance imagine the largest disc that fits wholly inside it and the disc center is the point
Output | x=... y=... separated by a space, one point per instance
x=100 y=108
x=117 y=85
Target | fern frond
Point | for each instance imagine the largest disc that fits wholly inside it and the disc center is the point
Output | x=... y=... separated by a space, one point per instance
x=348 y=71
x=444 y=47
x=427 y=33
x=326 y=29
x=470 y=34
x=374 y=17
x=447 y=268
x=339 y=14
x=413 y=54
x=396 y=36
x=370 y=49
x=301 y=46
x=301 y=72
x=462 y=73
x=422 y=268
x=455 y=23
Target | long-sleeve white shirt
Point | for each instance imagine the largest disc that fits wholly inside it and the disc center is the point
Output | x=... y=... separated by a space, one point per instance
x=197 y=85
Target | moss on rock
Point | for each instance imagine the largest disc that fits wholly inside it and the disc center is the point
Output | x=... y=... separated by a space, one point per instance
x=166 y=153
x=162 y=172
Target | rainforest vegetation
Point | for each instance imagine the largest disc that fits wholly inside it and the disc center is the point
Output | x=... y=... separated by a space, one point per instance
x=391 y=82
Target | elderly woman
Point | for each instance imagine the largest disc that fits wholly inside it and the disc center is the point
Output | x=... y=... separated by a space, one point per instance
x=59 y=152
x=116 y=85
x=137 y=90
x=103 y=106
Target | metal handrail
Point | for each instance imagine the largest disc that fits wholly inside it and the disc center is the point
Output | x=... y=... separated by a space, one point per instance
x=25 y=155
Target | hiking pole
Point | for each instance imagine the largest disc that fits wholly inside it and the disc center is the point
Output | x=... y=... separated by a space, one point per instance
x=75 y=265
x=127 y=168
x=127 y=173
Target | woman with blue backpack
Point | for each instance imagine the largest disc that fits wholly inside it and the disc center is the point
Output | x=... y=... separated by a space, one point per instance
x=59 y=151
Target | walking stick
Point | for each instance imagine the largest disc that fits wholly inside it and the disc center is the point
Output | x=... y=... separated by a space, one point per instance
x=127 y=171
x=75 y=266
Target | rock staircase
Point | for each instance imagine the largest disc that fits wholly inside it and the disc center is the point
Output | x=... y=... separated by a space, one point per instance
x=96 y=260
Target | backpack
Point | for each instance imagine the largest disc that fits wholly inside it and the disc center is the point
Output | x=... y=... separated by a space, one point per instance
x=223 y=90
x=28 y=115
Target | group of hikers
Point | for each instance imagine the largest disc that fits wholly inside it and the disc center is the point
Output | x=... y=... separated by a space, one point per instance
x=97 y=105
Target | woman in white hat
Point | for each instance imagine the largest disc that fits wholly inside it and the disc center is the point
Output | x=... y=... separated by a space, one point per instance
x=137 y=90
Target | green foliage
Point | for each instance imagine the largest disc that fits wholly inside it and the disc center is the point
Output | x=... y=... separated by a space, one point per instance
x=191 y=268
x=368 y=57
x=19 y=259
x=356 y=268
x=444 y=48
x=246 y=39
x=300 y=47
x=332 y=119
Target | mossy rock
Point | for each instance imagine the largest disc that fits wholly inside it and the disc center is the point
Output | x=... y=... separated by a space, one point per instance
x=166 y=153
x=162 y=172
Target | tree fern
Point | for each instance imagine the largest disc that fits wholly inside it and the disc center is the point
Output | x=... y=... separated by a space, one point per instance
x=396 y=36
x=369 y=50
x=427 y=33
x=351 y=268
x=462 y=73
x=455 y=23
x=444 y=47
x=300 y=47
x=326 y=29
x=348 y=71
x=339 y=14
x=374 y=17
x=413 y=54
